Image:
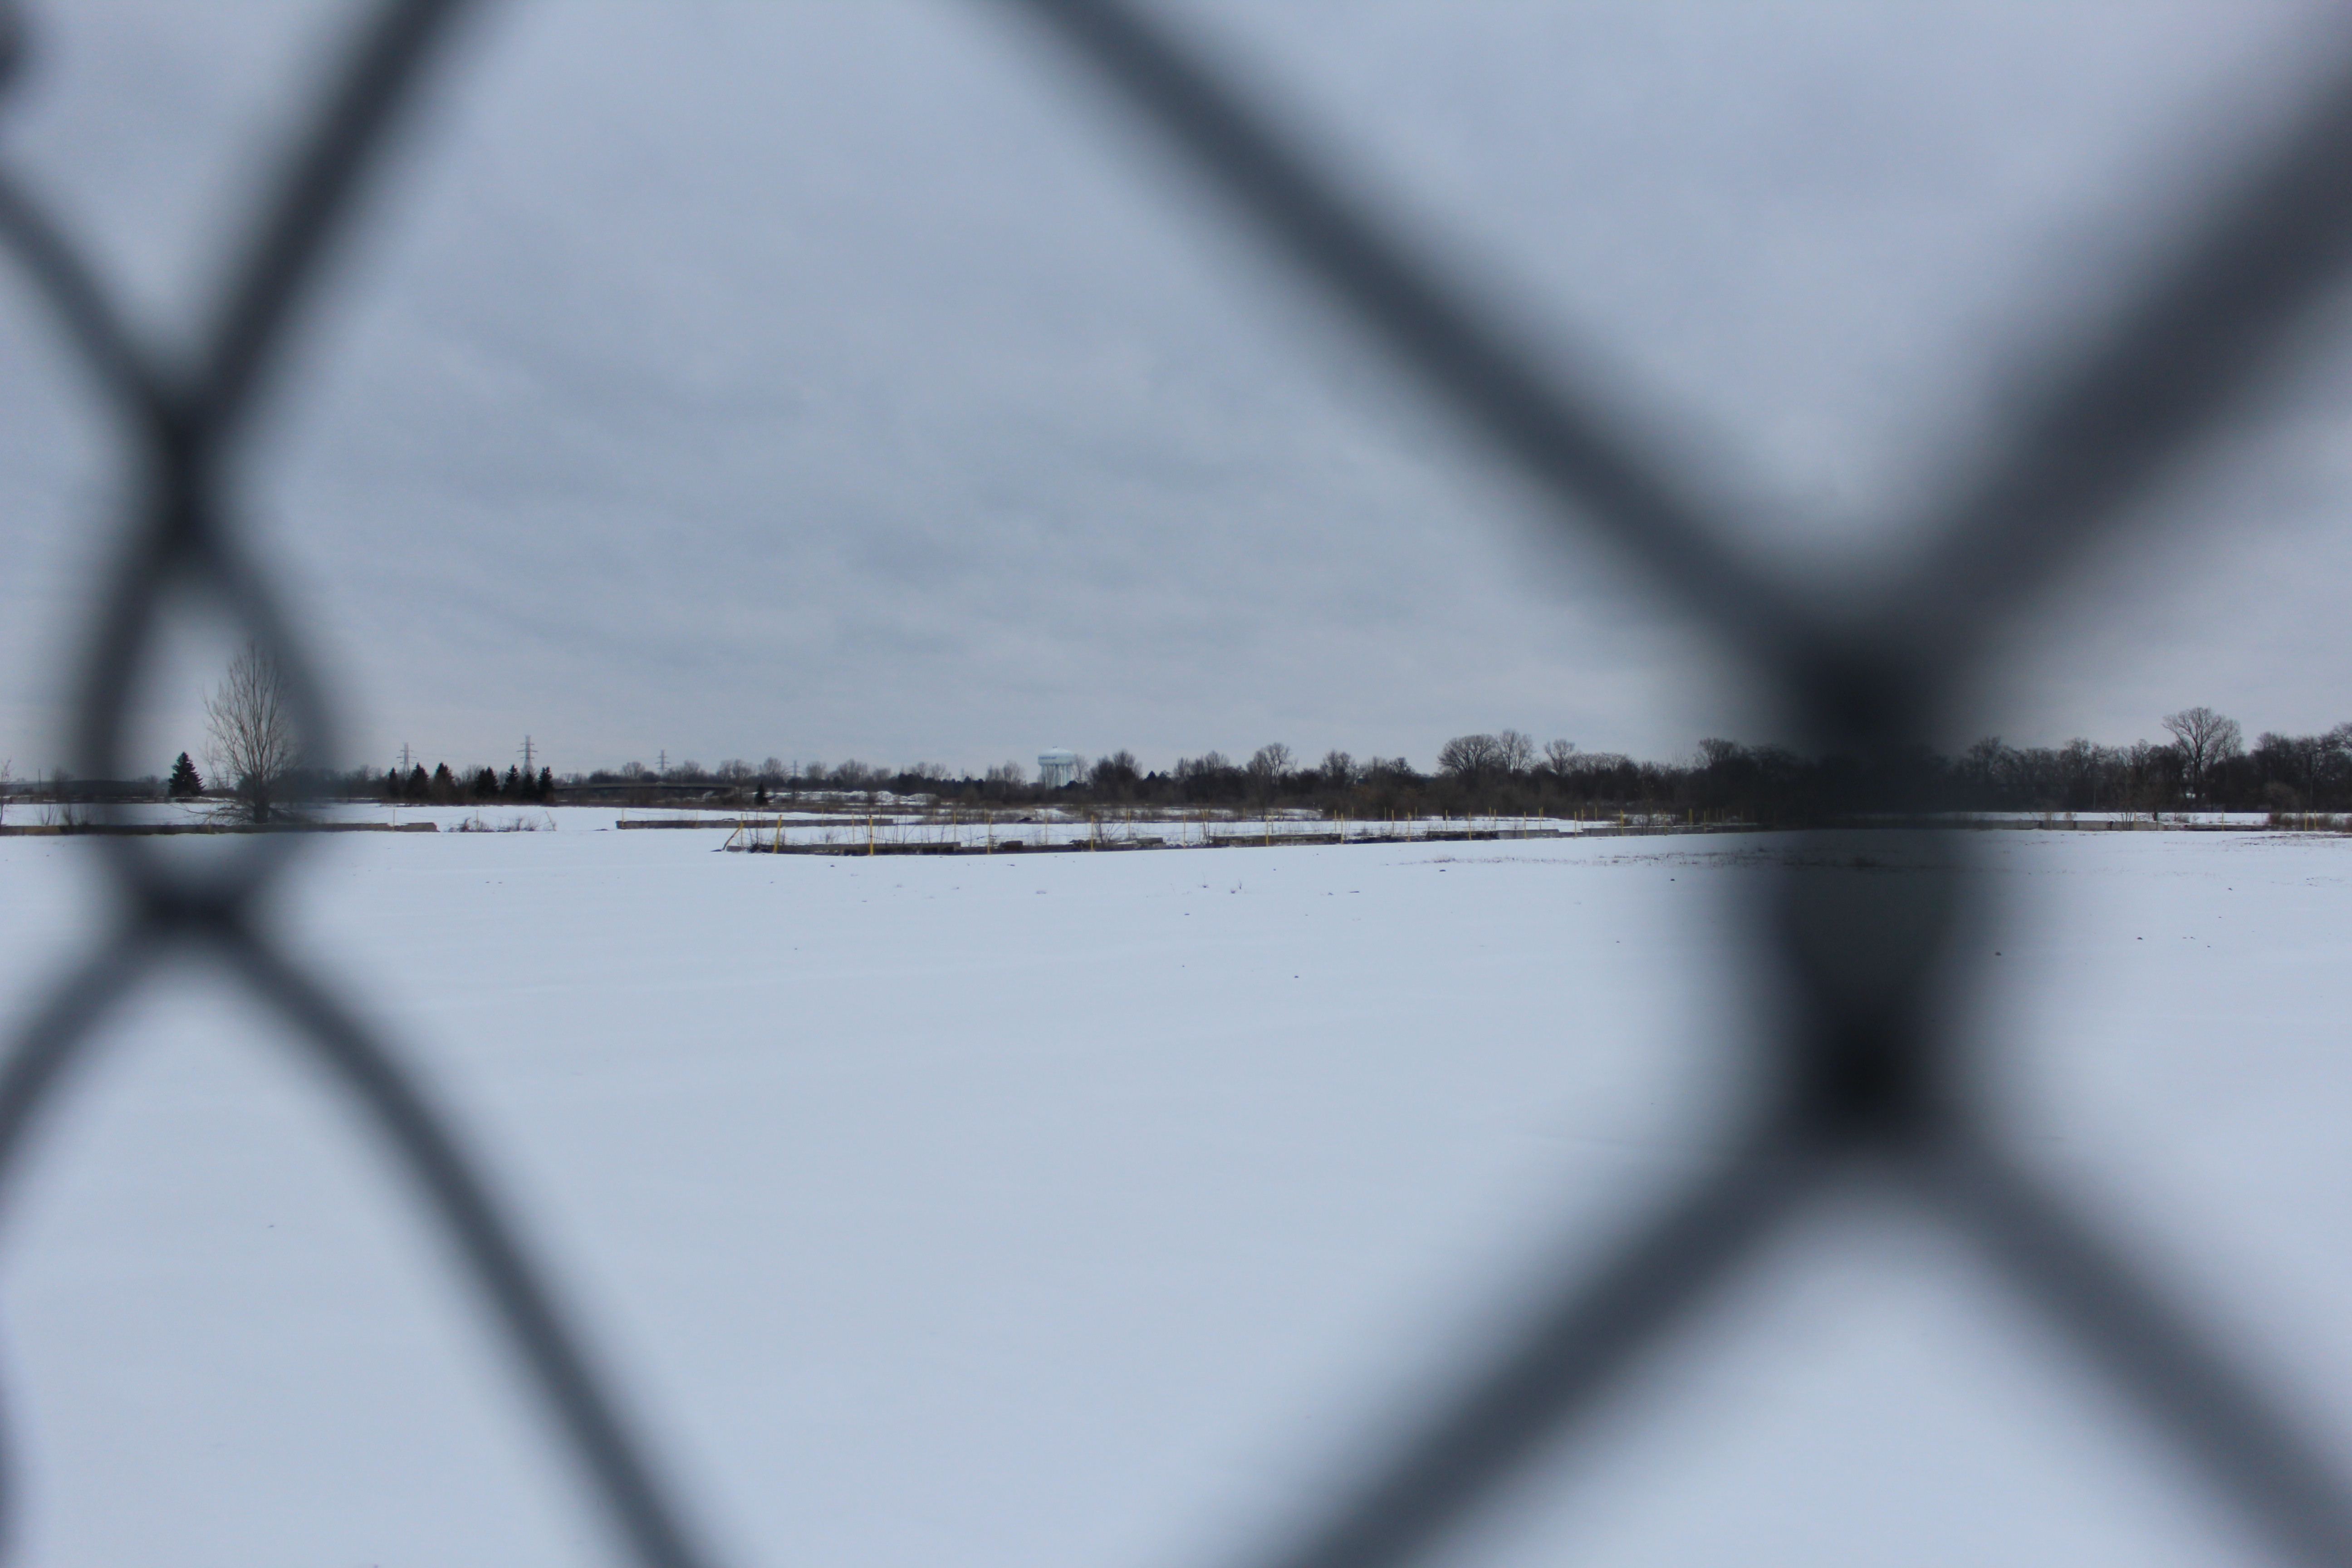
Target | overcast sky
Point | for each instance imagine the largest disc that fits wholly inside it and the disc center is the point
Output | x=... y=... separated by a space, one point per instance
x=850 y=379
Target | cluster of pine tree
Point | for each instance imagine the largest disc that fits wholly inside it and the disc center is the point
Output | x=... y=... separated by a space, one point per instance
x=443 y=787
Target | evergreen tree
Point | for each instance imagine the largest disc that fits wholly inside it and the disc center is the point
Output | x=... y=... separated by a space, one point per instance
x=417 y=786
x=445 y=784
x=515 y=787
x=485 y=785
x=546 y=785
x=185 y=784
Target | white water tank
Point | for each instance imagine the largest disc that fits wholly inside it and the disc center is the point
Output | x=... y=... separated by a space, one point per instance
x=1057 y=768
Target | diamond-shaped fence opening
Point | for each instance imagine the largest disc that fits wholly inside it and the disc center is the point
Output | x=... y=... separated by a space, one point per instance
x=1866 y=1085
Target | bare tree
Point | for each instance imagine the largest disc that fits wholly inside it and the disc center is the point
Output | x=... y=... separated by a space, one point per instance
x=1267 y=768
x=1989 y=766
x=1471 y=758
x=1113 y=778
x=2205 y=738
x=1514 y=752
x=250 y=719
x=2079 y=764
x=1560 y=756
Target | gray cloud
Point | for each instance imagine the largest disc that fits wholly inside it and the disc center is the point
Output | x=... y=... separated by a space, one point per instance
x=847 y=380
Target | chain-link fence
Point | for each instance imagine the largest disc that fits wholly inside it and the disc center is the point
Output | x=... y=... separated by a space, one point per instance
x=1869 y=1083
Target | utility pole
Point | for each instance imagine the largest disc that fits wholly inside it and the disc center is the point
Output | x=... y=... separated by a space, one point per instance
x=404 y=756
x=662 y=761
x=527 y=771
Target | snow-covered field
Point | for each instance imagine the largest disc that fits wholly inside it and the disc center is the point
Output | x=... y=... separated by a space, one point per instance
x=1012 y=827
x=1099 y=1210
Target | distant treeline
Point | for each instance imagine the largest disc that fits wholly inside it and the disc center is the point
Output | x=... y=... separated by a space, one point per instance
x=2204 y=764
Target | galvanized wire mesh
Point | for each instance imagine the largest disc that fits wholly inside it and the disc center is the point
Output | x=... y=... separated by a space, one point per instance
x=1870 y=1084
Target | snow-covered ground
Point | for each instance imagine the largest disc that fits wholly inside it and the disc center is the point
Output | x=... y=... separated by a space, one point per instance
x=1113 y=830
x=2167 y=819
x=1017 y=826
x=1099 y=1210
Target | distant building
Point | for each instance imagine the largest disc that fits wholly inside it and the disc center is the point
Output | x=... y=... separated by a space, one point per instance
x=1055 y=769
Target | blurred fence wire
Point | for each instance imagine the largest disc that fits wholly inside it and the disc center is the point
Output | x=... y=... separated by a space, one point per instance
x=1869 y=1082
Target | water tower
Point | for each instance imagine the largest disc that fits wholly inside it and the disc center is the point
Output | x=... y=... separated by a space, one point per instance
x=1057 y=768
